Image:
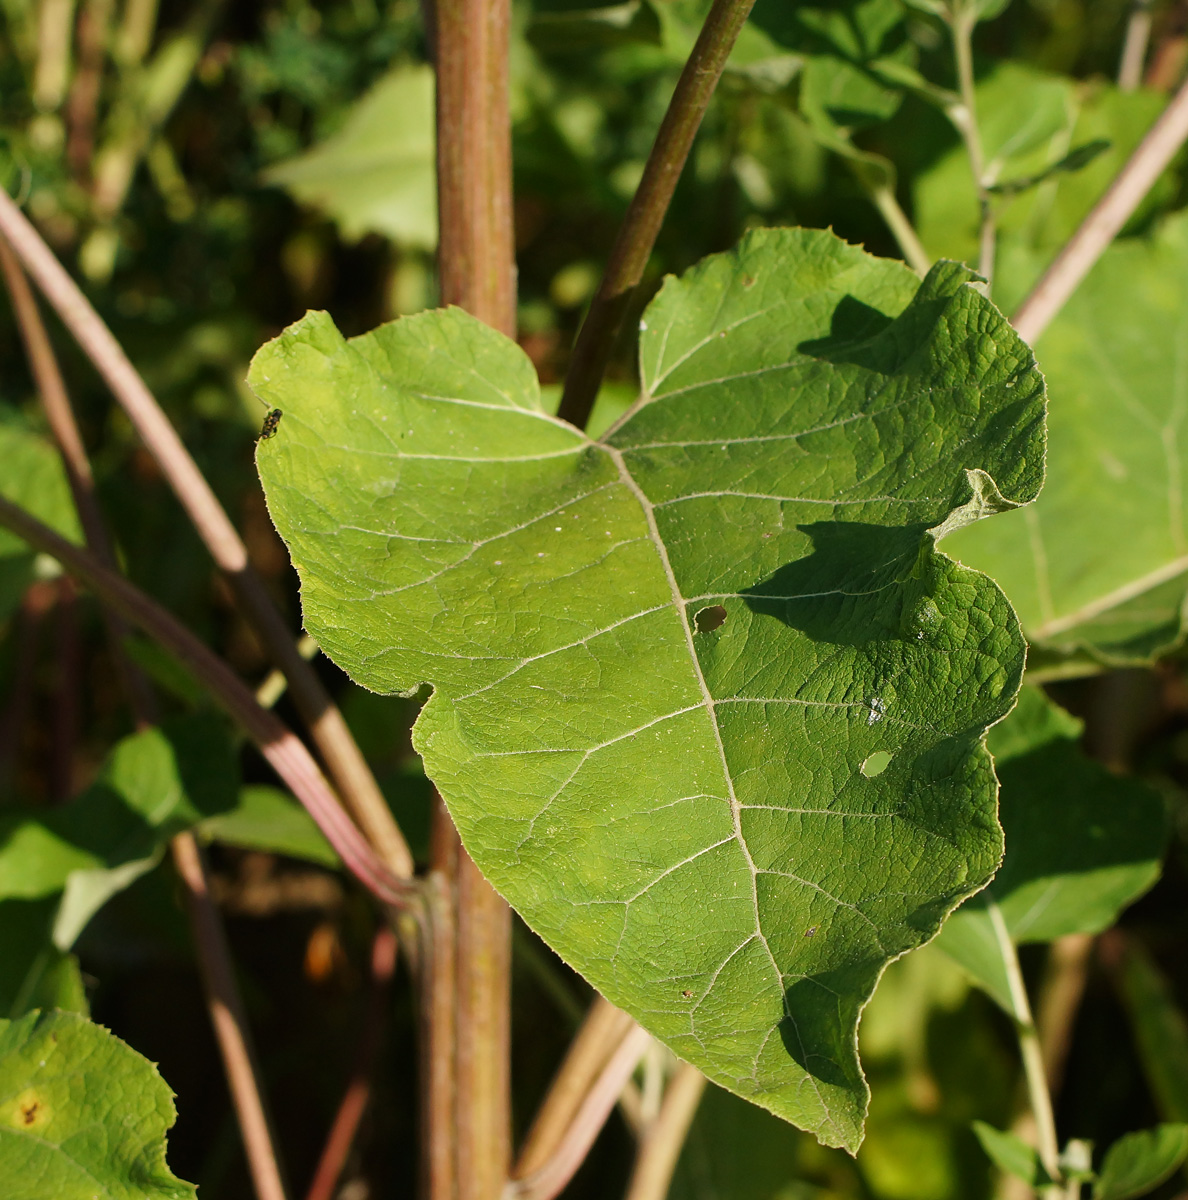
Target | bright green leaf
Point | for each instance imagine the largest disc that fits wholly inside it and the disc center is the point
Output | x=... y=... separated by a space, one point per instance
x=1100 y=564
x=1081 y=844
x=1010 y=1153
x=268 y=819
x=661 y=659
x=1139 y=1162
x=377 y=173
x=81 y=1115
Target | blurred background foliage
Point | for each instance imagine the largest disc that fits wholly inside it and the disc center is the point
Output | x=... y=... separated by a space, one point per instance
x=210 y=171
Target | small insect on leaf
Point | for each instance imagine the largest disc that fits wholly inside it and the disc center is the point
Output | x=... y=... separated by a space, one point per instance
x=270 y=423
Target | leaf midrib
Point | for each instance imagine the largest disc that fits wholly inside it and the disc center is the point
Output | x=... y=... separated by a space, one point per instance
x=680 y=604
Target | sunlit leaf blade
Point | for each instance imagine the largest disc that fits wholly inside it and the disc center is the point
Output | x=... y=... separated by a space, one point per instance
x=377 y=173
x=1101 y=562
x=1139 y=1162
x=661 y=660
x=81 y=1115
x=1081 y=844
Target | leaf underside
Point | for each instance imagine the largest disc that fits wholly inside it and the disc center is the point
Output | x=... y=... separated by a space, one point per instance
x=661 y=660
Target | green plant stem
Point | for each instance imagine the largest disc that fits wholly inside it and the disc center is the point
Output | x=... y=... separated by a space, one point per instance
x=277 y=743
x=224 y=1001
x=1105 y=221
x=476 y=268
x=1030 y=1051
x=966 y=119
x=637 y=235
x=343 y=758
x=883 y=198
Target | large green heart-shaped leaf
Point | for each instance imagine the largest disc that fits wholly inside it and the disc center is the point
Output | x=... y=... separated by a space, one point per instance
x=708 y=706
x=1100 y=564
x=82 y=1115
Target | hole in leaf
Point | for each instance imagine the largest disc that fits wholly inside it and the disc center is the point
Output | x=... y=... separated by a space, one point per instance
x=876 y=764
x=706 y=619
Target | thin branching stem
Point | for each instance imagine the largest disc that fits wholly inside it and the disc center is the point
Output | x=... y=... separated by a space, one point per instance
x=661 y=1145
x=637 y=235
x=224 y=1002
x=358 y=1092
x=1105 y=221
x=342 y=755
x=554 y=1175
x=1031 y=1054
x=283 y=750
x=601 y=1031
x=962 y=23
x=1134 y=48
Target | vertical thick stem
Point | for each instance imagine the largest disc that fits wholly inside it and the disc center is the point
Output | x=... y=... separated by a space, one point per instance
x=633 y=246
x=477 y=272
x=476 y=260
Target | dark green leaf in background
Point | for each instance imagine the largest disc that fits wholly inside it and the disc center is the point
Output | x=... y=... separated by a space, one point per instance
x=661 y=660
x=1081 y=844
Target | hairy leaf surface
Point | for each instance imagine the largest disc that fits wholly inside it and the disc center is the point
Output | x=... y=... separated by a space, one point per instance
x=661 y=661
x=82 y=1115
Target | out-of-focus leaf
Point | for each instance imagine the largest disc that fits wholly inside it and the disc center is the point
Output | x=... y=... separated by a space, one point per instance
x=1100 y=564
x=660 y=665
x=1075 y=160
x=1081 y=844
x=81 y=1115
x=377 y=173
x=31 y=475
x=1139 y=1162
x=33 y=972
x=266 y=818
x=1010 y=1153
x=581 y=30
x=840 y=87
x=1157 y=1024
x=154 y=784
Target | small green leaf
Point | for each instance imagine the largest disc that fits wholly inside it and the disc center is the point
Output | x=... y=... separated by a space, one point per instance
x=1010 y=1153
x=1139 y=1162
x=377 y=173
x=1081 y=844
x=1076 y=159
x=81 y=1115
x=677 y=804
x=268 y=819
